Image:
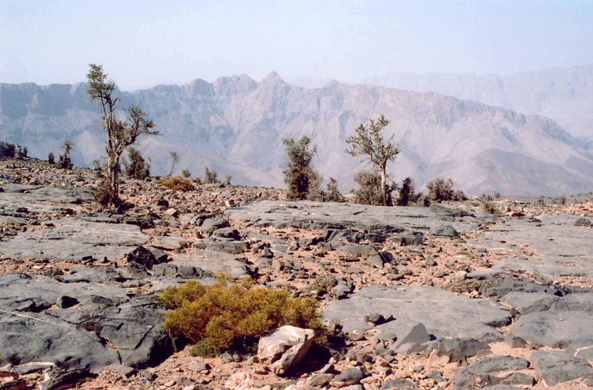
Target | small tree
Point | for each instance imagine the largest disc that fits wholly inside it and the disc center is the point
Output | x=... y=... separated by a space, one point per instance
x=370 y=143
x=174 y=161
x=7 y=149
x=407 y=193
x=186 y=173
x=440 y=190
x=137 y=168
x=210 y=176
x=371 y=190
x=120 y=134
x=227 y=180
x=51 y=159
x=333 y=193
x=64 y=162
x=299 y=174
x=316 y=193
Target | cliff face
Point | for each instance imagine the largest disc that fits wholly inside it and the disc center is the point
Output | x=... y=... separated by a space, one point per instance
x=236 y=126
x=563 y=94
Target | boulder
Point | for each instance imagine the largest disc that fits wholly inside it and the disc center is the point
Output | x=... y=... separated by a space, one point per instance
x=285 y=347
x=554 y=367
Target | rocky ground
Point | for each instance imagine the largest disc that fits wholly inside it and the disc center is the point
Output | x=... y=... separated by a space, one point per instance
x=446 y=297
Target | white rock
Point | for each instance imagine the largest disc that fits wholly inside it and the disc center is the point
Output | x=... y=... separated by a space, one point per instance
x=285 y=347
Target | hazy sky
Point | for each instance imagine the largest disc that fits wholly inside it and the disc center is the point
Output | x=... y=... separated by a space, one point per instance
x=144 y=43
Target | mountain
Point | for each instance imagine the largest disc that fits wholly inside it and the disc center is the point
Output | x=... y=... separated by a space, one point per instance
x=562 y=94
x=236 y=126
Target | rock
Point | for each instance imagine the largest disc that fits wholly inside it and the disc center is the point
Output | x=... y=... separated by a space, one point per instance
x=445 y=231
x=212 y=224
x=399 y=384
x=410 y=238
x=285 y=347
x=229 y=233
x=320 y=380
x=554 y=329
x=515 y=342
x=458 y=350
x=554 y=367
x=350 y=376
x=65 y=301
x=430 y=261
x=584 y=222
x=142 y=256
x=411 y=339
x=438 y=310
x=124 y=370
x=60 y=377
x=240 y=381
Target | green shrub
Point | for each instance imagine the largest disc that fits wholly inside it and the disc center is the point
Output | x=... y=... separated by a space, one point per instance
x=333 y=193
x=51 y=158
x=227 y=316
x=104 y=196
x=137 y=168
x=186 y=173
x=210 y=176
x=440 y=190
x=370 y=189
x=176 y=183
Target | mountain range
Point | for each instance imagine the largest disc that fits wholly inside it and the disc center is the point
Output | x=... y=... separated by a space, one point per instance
x=562 y=94
x=235 y=125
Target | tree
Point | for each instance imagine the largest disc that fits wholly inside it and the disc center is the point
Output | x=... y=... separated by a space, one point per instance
x=210 y=176
x=299 y=174
x=137 y=168
x=51 y=159
x=174 y=161
x=407 y=193
x=120 y=133
x=333 y=193
x=370 y=143
x=186 y=173
x=441 y=189
x=371 y=191
x=64 y=161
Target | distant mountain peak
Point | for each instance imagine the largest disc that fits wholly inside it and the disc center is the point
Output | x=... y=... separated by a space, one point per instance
x=273 y=76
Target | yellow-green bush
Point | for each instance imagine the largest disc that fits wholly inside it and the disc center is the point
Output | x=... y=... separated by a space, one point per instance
x=176 y=183
x=232 y=315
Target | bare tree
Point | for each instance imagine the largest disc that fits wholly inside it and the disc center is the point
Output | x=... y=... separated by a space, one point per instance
x=174 y=161
x=370 y=143
x=120 y=133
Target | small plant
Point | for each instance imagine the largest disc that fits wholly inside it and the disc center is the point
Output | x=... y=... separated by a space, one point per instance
x=489 y=207
x=51 y=159
x=232 y=316
x=64 y=162
x=137 y=168
x=198 y=180
x=440 y=190
x=541 y=200
x=497 y=195
x=7 y=150
x=332 y=192
x=174 y=161
x=186 y=173
x=370 y=191
x=210 y=176
x=299 y=175
x=104 y=196
x=407 y=193
x=176 y=183
x=324 y=283
x=227 y=180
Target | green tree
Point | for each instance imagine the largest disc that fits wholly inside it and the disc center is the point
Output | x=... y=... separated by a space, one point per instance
x=137 y=168
x=299 y=175
x=333 y=193
x=64 y=161
x=369 y=142
x=120 y=133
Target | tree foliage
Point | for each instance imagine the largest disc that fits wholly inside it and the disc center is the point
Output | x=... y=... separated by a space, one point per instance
x=120 y=133
x=64 y=161
x=174 y=161
x=299 y=175
x=137 y=168
x=210 y=176
x=332 y=193
x=370 y=143
x=371 y=191
x=7 y=150
x=441 y=189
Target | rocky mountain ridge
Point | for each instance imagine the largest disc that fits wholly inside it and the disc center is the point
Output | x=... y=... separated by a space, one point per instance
x=236 y=126
x=563 y=94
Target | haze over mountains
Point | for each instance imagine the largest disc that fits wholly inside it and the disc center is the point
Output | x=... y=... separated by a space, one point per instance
x=236 y=126
x=562 y=94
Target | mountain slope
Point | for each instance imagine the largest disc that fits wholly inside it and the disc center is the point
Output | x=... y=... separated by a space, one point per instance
x=236 y=125
x=563 y=94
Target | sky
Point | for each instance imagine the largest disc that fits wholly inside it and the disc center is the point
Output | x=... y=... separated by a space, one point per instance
x=145 y=43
